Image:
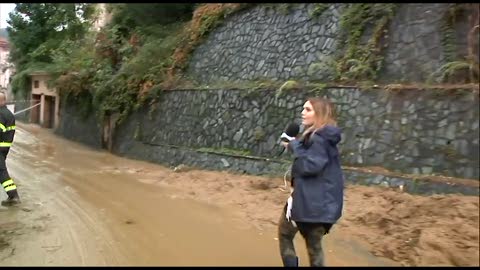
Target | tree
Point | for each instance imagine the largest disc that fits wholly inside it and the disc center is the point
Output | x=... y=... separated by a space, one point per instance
x=133 y=15
x=37 y=29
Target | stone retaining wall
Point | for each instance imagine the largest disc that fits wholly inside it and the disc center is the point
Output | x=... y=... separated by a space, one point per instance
x=265 y=43
x=408 y=131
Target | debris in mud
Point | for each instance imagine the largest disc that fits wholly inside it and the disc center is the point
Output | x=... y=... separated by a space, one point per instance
x=129 y=221
x=262 y=185
x=134 y=171
x=3 y=244
x=181 y=168
x=52 y=248
x=39 y=228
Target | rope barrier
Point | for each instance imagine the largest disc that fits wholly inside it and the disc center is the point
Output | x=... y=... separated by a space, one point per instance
x=29 y=108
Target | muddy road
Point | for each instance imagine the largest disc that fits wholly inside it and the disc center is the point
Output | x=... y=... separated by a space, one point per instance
x=83 y=207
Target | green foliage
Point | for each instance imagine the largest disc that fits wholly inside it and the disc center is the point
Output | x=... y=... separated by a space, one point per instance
x=259 y=134
x=448 y=31
x=83 y=101
x=452 y=72
x=456 y=69
x=111 y=95
x=287 y=86
x=284 y=8
x=318 y=89
x=363 y=61
x=319 y=9
x=150 y=62
x=111 y=68
x=358 y=70
x=112 y=45
x=74 y=55
x=244 y=85
x=124 y=90
x=313 y=69
x=21 y=84
x=138 y=73
x=325 y=70
x=366 y=85
x=210 y=21
x=127 y=59
x=448 y=41
x=263 y=84
x=144 y=15
x=73 y=63
x=36 y=29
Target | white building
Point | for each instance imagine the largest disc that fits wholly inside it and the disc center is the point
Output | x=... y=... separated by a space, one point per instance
x=6 y=68
x=48 y=113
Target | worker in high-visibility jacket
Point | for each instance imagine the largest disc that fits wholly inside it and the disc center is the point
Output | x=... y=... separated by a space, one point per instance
x=7 y=132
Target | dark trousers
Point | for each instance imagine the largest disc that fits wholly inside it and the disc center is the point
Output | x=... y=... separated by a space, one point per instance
x=4 y=176
x=311 y=232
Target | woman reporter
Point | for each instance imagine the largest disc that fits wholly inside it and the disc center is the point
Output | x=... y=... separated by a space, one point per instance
x=316 y=202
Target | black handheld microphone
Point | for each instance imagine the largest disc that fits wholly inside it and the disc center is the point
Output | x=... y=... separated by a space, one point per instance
x=290 y=133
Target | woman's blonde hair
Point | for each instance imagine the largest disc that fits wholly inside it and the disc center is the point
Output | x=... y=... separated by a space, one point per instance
x=324 y=113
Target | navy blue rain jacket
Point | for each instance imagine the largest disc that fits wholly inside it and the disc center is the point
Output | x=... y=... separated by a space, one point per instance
x=317 y=177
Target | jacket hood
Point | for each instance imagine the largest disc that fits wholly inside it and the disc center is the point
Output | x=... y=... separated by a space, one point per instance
x=331 y=134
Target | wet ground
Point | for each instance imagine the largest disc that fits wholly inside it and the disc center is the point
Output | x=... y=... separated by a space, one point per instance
x=86 y=207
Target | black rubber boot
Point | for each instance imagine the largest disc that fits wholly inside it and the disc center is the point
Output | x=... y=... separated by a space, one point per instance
x=11 y=201
x=290 y=261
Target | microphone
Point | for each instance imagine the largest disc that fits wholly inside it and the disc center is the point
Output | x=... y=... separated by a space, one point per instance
x=289 y=134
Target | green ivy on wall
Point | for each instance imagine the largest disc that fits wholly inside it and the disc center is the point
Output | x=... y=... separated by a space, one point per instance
x=457 y=69
x=363 y=61
x=319 y=9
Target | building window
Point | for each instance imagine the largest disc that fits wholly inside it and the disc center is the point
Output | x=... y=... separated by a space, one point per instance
x=35 y=84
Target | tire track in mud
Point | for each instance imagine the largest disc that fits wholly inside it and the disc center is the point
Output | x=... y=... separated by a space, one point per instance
x=67 y=230
x=84 y=220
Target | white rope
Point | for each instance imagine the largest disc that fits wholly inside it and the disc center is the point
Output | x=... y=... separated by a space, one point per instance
x=29 y=108
x=18 y=101
x=288 y=212
x=285 y=179
x=285 y=185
